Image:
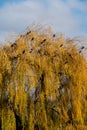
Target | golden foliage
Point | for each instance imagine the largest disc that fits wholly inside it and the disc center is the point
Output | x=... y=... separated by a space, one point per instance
x=43 y=83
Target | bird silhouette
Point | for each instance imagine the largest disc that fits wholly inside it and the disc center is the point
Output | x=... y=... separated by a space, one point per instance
x=80 y=51
x=54 y=35
x=23 y=51
x=30 y=50
x=66 y=62
x=60 y=73
x=70 y=56
x=82 y=47
x=32 y=39
x=14 y=44
x=61 y=45
x=28 y=32
x=43 y=41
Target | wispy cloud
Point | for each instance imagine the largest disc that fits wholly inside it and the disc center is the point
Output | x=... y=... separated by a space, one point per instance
x=62 y=15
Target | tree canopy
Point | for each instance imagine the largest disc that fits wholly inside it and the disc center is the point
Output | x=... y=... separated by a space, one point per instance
x=43 y=83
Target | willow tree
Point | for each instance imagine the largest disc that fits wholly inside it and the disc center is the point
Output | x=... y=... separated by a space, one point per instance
x=43 y=83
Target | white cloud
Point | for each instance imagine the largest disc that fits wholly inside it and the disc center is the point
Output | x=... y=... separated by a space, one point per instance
x=16 y=17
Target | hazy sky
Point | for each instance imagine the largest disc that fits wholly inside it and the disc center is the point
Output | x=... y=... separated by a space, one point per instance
x=66 y=16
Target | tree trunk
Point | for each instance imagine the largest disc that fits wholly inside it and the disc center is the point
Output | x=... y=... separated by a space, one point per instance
x=18 y=120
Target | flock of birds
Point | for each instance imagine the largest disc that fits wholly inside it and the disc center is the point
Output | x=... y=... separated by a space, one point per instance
x=43 y=41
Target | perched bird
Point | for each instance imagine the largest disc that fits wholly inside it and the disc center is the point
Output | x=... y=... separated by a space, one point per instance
x=54 y=35
x=13 y=58
x=70 y=56
x=14 y=44
x=32 y=39
x=23 y=51
x=80 y=51
x=82 y=47
x=28 y=32
x=68 y=122
x=66 y=62
x=61 y=45
x=30 y=50
x=43 y=41
x=60 y=73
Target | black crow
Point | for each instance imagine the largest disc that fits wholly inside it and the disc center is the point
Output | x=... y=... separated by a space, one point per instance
x=82 y=47
x=80 y=51
x=23 y=51
x=28 y=32
x=66 y=62
x=61 y=45
x=14 y=44
x=43 y=41
x=60 y=73
x=54 y=35
x=70 y=56
x=30 y=50
x=32 y=39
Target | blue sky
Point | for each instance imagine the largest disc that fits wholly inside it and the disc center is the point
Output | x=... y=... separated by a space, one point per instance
x=66 y=16
x=3 y=2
